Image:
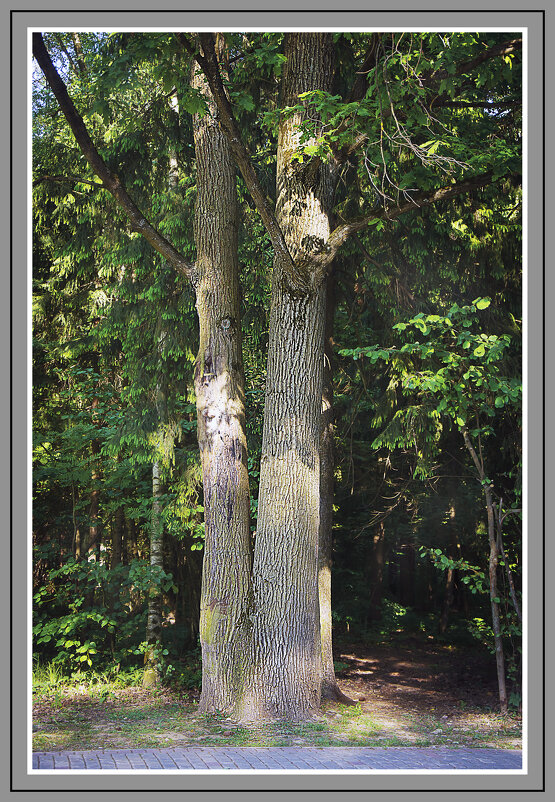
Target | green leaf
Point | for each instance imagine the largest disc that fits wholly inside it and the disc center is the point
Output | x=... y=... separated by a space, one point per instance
x=481 y=303
x=479 y=351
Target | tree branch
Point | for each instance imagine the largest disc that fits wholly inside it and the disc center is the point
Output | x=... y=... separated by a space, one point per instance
x=501 y=49
x=360 y=84
x=79 y=53
x=343 y=231
x=432 y=81
x=66 y=51
x=110 y=181
x=71 y=179
x=208 y=63
x=472 y=451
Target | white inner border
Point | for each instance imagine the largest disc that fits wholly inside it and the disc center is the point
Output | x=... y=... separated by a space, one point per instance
x=272 y=29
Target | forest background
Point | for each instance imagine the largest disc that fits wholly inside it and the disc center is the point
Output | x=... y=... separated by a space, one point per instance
x=411 y=536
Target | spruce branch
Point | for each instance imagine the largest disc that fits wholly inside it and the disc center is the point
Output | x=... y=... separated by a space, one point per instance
x=110 y=180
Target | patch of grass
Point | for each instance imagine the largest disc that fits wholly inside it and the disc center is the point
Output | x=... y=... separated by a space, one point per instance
x=48 y=679
x=97 y=711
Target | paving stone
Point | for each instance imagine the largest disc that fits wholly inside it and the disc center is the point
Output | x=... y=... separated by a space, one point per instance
x=266 y=759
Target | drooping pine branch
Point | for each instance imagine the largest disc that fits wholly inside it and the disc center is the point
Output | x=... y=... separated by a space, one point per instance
x=67 y=179
x=110 y=180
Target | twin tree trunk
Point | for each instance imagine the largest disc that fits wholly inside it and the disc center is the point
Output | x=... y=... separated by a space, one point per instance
x=219 y=385
x=259 y=625
x=260 y=629
x=287 y=671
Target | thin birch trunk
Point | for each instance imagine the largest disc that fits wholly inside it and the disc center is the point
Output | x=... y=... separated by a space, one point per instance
x=493 y=587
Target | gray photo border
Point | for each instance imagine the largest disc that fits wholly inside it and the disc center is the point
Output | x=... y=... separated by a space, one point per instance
x=287 y=15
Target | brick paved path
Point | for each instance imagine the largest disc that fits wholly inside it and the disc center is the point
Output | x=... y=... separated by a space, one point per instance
x=281 y=758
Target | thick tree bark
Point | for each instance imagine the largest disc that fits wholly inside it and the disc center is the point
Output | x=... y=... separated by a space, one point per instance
x=287 y=657
x=219 y=384
x=329 y=689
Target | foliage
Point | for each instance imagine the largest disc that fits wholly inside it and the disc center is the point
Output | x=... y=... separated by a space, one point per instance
x=82 y=635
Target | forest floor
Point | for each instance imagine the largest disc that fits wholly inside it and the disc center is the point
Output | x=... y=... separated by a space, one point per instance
x=410 y=693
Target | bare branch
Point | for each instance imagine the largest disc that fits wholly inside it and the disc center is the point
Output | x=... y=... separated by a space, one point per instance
x=110 y=181
x=432 y=81
x=343 y=231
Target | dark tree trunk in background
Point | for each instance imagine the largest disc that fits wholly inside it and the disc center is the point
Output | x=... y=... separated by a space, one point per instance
x=406 y=575
x=329 y=687
x=376 y=572
x=93 y=541
x=118 y=529
x=453 y=553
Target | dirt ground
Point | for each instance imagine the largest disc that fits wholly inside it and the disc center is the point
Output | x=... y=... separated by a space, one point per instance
x=418 y=676
x=409 y=694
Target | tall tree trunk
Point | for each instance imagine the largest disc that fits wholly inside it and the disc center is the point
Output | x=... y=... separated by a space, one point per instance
x=329 y=687
x=128 y=540
x=93 y=540
x=287 y=656
x=220 y=392
x=494 y=600
x=118 y=528
x=493 y=561
x=94 y=526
